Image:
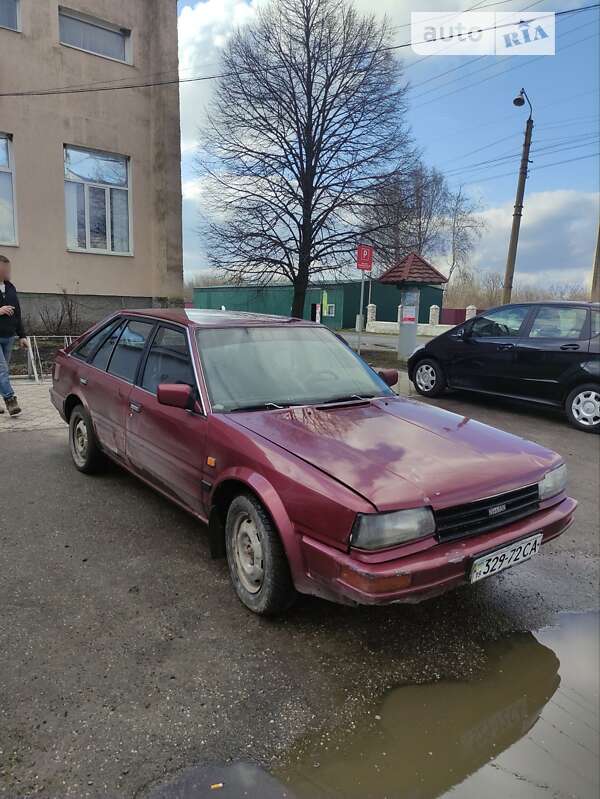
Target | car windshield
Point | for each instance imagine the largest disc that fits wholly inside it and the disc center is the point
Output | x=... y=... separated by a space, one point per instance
x=267 y=367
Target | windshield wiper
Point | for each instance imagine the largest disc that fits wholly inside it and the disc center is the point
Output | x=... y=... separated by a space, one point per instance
x=261 y=406
x=349 y=398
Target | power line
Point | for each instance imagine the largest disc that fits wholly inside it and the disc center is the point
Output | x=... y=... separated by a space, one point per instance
x=491 y=77
x=202 y=78
x=534 y=169
x=495 y=64
x=549 y=149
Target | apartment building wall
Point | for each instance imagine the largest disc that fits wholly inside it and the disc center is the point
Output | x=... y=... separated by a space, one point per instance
x=141 y=123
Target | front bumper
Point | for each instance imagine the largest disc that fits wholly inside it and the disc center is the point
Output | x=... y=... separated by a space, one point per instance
x=354 y=578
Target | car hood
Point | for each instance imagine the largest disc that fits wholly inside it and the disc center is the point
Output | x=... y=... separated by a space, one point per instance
x=399 y=453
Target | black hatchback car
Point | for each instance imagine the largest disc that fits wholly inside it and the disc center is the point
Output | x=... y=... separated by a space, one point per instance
x=545 y=352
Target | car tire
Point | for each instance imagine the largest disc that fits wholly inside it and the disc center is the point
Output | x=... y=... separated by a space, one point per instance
x=582 y=407
x=429 y=378
x=85 y=451
x=256 y=558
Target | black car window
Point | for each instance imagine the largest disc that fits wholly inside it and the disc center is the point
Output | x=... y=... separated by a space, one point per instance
x=168 y=360
x=127 y=354
x=89 y=347
x=102 y=356
x=555 y=321
x=595 y=324
x=505 y=322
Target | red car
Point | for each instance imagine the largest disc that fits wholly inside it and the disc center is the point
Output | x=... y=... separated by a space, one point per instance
x=312 y=475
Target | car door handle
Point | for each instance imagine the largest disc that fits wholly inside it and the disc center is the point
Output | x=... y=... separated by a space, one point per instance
x=83 y=381
x=135 y=407
x=570 y=347
x=506 y=347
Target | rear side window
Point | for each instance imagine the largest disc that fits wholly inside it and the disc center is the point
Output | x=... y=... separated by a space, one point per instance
x=595 y=324
x=168 y=360
x=553 y=321
x=95 y=341
x=127 y=354
x=504 y=323
x=102 y=356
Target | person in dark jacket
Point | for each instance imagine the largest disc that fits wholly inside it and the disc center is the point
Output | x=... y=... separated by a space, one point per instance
x=11 y=329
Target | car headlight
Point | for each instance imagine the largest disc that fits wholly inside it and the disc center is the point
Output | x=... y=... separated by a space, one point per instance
x=381 y=530
x=554 y=482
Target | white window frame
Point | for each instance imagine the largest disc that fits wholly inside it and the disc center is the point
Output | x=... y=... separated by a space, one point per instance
x=107 y=187
x=18 y=28
x=10 y=170
x=99 y=23
x=328 y=310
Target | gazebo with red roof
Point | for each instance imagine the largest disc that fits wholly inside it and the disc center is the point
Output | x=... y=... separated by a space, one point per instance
x=413 y=269
x=419 y=285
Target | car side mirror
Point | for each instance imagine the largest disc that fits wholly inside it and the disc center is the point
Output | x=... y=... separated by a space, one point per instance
x=176 y=395
x=389 y=376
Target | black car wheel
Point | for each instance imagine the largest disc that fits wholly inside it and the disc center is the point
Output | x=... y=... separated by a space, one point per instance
x=583 y=408
x=85 y=452
x=257 y=561
x=429 y=379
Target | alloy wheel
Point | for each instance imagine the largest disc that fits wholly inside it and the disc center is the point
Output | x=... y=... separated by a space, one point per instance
x=585 y=408
x=425 y=377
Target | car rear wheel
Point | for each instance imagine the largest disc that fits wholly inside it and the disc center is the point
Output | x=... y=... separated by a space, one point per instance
x=257 y=562
x=429 y=379
x=85 y=452
x=583 y=408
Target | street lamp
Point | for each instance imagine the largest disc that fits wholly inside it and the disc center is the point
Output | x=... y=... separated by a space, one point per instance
x=519 y=101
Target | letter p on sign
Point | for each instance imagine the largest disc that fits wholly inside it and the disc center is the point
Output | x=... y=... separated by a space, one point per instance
x=364 y=257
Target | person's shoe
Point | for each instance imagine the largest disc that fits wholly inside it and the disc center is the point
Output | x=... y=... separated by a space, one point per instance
x=12 y=406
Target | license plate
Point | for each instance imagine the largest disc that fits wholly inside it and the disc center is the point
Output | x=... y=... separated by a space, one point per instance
x=504 y=558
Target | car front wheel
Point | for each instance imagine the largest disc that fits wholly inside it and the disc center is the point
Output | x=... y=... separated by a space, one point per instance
x=583 y=408
x=429 y=379
x=85 y=452
x=257 y=561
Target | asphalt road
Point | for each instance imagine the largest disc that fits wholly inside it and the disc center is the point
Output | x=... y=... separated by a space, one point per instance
x=126 y=656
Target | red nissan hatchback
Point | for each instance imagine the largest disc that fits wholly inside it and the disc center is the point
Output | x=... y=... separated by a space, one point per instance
x=312 y=475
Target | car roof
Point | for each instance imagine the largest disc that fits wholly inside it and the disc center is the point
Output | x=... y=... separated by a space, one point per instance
x=200 y=317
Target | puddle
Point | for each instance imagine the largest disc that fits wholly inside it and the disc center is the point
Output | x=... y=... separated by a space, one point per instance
x=527 y=728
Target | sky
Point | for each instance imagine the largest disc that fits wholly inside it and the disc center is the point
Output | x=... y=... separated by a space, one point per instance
x=461 y=114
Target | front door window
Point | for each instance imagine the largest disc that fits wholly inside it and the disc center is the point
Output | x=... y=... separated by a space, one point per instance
x=503 y=323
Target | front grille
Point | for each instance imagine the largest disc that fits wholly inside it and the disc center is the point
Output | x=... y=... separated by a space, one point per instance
x=486 y=514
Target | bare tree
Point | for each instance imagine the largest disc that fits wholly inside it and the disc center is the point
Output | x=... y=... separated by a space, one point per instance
x=464 y=229
x=410 y=214
x=305 y=125
x=429 y=210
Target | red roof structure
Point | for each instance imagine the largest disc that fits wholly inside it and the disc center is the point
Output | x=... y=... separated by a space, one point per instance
x=413 y=269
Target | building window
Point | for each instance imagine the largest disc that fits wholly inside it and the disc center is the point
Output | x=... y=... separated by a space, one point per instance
x=9 y=14
x=97 y=202
x=93 y=35
x=329 y=310
x=8 y=227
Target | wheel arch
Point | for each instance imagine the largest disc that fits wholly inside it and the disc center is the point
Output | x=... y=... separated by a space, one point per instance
x=71 y=402
x=241 y=480
x=579 y=380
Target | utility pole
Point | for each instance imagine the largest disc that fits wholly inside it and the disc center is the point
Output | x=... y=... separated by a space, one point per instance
x=518 y=212
x=595 y=296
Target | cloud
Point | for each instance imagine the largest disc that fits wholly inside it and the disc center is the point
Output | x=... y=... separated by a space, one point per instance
x=556 y=241
x=203 y=31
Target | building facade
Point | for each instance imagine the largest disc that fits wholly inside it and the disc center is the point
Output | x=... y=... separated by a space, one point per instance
x=90 y=180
